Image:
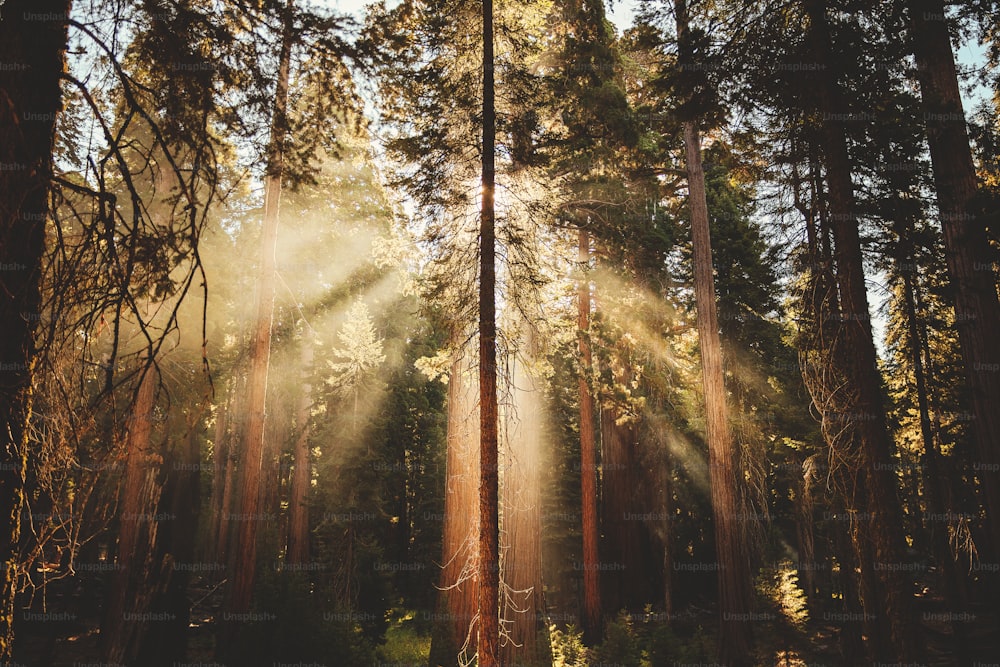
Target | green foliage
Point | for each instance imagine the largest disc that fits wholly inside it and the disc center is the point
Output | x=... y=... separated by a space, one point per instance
x=568 y=649
x=621 y=644
x=359 y=354
x=405 y=643
x=634 y=644
x=669 y=646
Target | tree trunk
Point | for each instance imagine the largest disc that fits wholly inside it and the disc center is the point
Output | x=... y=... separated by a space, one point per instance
x=735 y=599
x=220 y=455
x=129 y=597
x=852 y=623
x=30 y=98
x=165 y=644
x=805 y=522
x=588 y=461
x=244 y=562
x=233 y=434
x=298 y=508
x=459 y=589
x=952 y=583
x=624 y=585
x=489 y=519
x=875 y=492
x=734 y=576
x=521 y=546
x=968 y=253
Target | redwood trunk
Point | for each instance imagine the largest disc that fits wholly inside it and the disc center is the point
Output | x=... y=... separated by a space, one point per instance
x=735 y=598
x=459 y=591
x=521 y=544
x=130 y=592
x=968 y=253
x=244 y=562
x=734 y=574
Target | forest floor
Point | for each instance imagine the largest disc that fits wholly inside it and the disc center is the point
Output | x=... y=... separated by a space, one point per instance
x=68 y=635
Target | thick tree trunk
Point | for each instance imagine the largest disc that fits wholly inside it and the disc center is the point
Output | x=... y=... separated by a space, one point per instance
x=624 y=585
x=489 y=519
x=244 y=562
x=968 y=253
x=298 y=508
x=735 y=596
x=129 y=597
x=588 y=460
x=521 y=520
x=459 y=590
x=32 y=46
x=165 y=643
x=874 y=493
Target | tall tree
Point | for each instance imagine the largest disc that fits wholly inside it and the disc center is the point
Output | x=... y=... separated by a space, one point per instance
x=489 y=512
x=240 y=593
x=735 y=594
x=968 y=253
x=880 y=541
x=33 y=38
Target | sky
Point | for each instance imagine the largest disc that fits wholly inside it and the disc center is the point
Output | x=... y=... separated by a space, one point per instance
x=620 y=14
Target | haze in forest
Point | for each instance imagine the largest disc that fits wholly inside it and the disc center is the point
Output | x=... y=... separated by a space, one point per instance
x=562 y=333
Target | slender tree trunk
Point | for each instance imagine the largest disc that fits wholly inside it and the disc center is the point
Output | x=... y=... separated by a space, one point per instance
x=220 y=455
x=588 y=460
x=968 y=253
x=489 y=519
x=235 y=429
x=875 y=489
x=953 y=586
x=734 y=576
x=735 y=599
x=244 y=564
x=805 y=531
x=298 y=508
x=851 y=628
x=130 y=592
x=33 y=50
x=805 y=508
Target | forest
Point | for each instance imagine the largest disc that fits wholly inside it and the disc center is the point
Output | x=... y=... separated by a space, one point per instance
x=521 y=333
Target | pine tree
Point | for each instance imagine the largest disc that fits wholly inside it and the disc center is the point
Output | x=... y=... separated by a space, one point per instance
x=967 y=249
